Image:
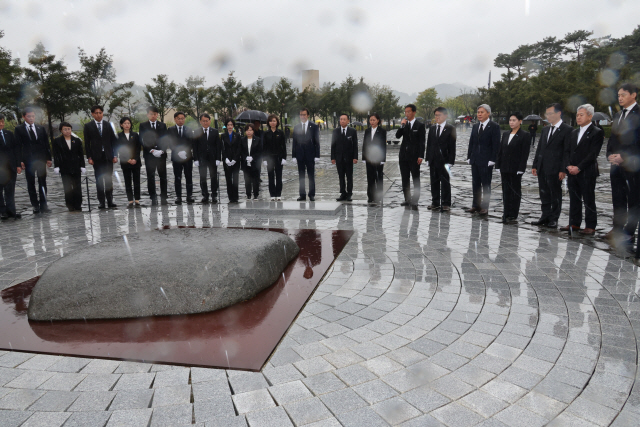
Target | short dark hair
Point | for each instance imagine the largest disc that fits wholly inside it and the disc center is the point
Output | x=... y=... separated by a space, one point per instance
x=343 y=114
x=96 y=107
x=152 y=109
x=178 y=113
x=1 y=116
x=441 y=110
x=305 y=109
x=229 y=119
x=64 y=125
x=377 y=116
x=518 y=115
x=629 y=87
x=249 y=126
x=204 y=115
x=412 y=106
x=124 y=119
x=28 y=110
x=557 y=108
x=273 y=116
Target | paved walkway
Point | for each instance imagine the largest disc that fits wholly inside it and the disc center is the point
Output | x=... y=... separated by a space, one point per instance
x=425 y=319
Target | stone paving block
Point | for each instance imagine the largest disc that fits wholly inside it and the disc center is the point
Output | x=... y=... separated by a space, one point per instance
x=314 y=366
x=545 y=406
x=307 y=411
x=289 y=392
x=396 y=410
x=253 y=401
x=9 y=374
x=518 y=416
x=170 y=378
x=130 y=418
x=239 y=421
x=382 y=365
x=282 y=374
x=324 y=383
x=249 y=382
x=374 y=391
x=176 y=395
x=343 y=401
x=20 y=399
x=69 y=364
x=201 y=375
x=414 y=376
x=14 y=358
x=425 y=398
x=135 y=381
x=101 y=366
x=269 y=417
x=47 y=419
x=92 y=401
x=210 y=410
x=173 y=415
x=210 y=390
x=360 y=417
x=30 y=379
x=355 y=374
x=55 y=401
x=131 y=399
x=39 y=362
x=457 y=415
x=88 y=419
x=62 y=381
x=132 y=368
x=98 y=382
x=483 y=403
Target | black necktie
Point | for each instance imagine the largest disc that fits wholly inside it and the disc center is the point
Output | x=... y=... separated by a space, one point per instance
x=438 y=132
x=344 y=133
x=624 y=113
x=551 y=133
x=180 y=131
x=153 y=125
x=409 y=123
x=100 y=128
x=206 y=134
x=5 y=141
x=304 y=127
x=32 y=134
x=481 y=129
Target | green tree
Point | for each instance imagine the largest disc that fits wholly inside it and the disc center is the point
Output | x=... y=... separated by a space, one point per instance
x=386 y=103
x=10 y=82
x=193 y=97
x=54 y=88
x=426 y=102
x=161 y=94
x=230 y=95
x=575 y=42
x=256 y=96
x=282 y=98
x=310 y=98
x=328 y=102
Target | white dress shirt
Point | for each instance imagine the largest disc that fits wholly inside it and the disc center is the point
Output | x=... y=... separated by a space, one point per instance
x=344 y=130
x=554 y=128
x=411 y=122
x=510 y=138
x=68 y=141
x=373 y=132
x=304 y=126
x=33 y=128
x=629 y=108
x=484 y=125
x=126 y=135
x=583 y=129
x=249 y=142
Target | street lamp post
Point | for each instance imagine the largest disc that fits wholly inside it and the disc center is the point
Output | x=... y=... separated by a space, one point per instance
x=334 y=119
x=215 y=120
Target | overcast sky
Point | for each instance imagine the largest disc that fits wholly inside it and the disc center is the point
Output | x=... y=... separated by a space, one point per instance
x=409 y=46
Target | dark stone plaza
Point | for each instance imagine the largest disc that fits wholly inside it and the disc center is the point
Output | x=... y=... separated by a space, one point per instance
x=425 y=318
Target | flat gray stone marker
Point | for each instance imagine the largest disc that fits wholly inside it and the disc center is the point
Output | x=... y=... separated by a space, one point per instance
x=261 y=207
x=162 y=272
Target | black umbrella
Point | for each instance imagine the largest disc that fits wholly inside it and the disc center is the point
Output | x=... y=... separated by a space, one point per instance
x=252 y=115
x=357 y=123
x=600 y=116
x=533 y=117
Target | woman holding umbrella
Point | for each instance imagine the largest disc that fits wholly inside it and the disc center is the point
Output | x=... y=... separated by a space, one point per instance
x=274 y=153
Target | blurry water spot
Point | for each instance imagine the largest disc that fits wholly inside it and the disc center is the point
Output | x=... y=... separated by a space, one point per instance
x=607 y=96
x=575 y=101
x=608 y=77
x=356 y=16
x=221 y=61
x=617 y=60
x=362 y=101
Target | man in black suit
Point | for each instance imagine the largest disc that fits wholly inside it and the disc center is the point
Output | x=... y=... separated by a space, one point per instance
x=100 y=142
x=207 y=149
x=305 y=152
x=180 y=142
x=10 y=154
x=154 y=149
x=441 y=155
x=623 y=152
x=35 y=158
x=411 y=155
x=549 y=164
x=586 y=143
x=484 y=144
x=344 y=154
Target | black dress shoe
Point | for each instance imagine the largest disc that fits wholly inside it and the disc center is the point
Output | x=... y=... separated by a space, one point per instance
x=349 y=199
x=312 y=199
x=341 y=199
x=164 y=202
x=510 y=220
x=204 y=200
x=101 y=207
x=214 y=201
x=414 y=207
x=17 y=216
x=45 y=210
x=552 y=224
x=190 y=200
x=4 y=216
x=541 y=221
x=301 y=199
x=178 y=202
x=433 y=207
x=154 y=202
x=112 y=205
x=369 y=201
x=130 y=206
x=404 y=204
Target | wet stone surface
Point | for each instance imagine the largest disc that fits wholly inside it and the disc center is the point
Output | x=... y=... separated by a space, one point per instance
x=425 y=318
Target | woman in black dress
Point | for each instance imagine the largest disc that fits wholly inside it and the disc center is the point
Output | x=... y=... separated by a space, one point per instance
x=274 y=153
x=231 y=159
x=129 y=147
x=374 y=153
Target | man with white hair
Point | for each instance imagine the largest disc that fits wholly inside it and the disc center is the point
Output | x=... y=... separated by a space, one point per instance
x=586 y=142
x=484 y=144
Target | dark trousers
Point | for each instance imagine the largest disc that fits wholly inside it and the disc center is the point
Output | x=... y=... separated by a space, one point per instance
x=206 y=165
x=251 y=181
x=152 y=165
x=550 y=188
x=72 y=190
x=232 y=176
x=410 y=169
x=511 y=194
x=7 y=197
x=178 y=168
x=274 y=171
x=582 y=190
x=619 y=196
x=103 y=171
x=440 y=185
x=533 y=138
x=374 y=181
x=633 y=201
x=40 y=168
x=308 y=167
x=345 y=175
x=481 y=184
x=132 y=182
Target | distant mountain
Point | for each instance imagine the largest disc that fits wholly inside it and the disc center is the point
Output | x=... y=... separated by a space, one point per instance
x=405 y=98
x=451 y=90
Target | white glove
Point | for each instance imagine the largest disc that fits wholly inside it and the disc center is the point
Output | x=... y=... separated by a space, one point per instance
x=249 y=159
x=498 y=170
x=447 y=165
x=491 y=163
x=217 y=162
x=382 y=163
x=520 y=173
x=83 y=171
x=317 y=159
x=196 y=163
x=233 y=162
x=264 y=163
x=426 y=163
x=182 y=155
x=468 y=161
x=248 y=163
x=283 y=162
x=57 y=171
x=295 y=161
x=156 y=153
x=227 y=162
